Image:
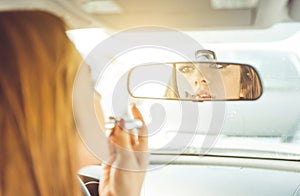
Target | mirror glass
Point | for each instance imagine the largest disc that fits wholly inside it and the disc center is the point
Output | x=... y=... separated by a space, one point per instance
x=196 y=81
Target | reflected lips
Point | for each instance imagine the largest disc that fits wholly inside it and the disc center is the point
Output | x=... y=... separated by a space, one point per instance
x=200 y=94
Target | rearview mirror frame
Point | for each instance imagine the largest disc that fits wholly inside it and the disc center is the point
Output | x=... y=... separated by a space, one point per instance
x=247 y=72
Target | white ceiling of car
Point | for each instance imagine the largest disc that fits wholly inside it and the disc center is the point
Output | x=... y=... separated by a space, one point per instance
x=180 y=14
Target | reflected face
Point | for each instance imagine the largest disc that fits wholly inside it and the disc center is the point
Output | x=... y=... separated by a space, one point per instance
x=199 y=87
x=200 y=81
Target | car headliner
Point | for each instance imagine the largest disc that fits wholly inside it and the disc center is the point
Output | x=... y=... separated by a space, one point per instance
x=179 y=14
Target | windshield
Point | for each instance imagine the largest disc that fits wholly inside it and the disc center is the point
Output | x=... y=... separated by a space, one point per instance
x=268 y=127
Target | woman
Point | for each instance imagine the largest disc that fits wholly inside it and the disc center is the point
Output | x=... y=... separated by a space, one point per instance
x=232 y=82
x=38 y=65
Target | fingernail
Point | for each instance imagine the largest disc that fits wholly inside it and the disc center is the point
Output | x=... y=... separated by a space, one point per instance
x=121 y=123
x=111 y=118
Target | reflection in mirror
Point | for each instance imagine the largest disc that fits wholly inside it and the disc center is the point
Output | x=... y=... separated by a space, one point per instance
x=197 y=81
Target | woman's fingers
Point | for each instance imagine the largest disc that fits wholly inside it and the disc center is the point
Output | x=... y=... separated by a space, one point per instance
x=121 y=136
x=136 y=113
x=127 y=141
x=142 y=144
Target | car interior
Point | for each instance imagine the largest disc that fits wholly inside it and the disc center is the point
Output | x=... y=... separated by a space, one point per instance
x=214 y=141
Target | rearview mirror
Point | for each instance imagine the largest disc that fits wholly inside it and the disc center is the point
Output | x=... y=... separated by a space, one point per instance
x=196 y=81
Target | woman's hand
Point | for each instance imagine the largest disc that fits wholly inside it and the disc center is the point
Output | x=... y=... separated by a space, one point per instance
x=125 y=172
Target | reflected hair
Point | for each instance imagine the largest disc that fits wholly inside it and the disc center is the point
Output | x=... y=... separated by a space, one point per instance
x=250 y=84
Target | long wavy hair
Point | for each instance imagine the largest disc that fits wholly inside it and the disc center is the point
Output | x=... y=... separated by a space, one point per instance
x=38 y=64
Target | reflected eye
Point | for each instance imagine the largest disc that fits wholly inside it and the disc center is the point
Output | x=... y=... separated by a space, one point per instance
x=186 y=69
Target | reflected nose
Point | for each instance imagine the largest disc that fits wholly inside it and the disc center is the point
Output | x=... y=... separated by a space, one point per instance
x=200 y=81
